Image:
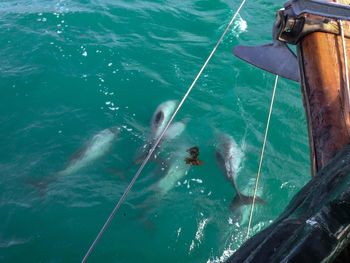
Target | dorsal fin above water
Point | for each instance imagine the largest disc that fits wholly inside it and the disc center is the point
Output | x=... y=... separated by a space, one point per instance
x=276 y=58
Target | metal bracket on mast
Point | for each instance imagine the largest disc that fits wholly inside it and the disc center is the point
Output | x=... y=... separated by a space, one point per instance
x=290 y=26
x=292 y=29
x=320 y=8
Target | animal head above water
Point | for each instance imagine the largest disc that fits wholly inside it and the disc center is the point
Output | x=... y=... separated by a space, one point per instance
x=161 y=117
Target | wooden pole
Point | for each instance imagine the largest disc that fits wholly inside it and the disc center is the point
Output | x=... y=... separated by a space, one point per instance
x=323 y=85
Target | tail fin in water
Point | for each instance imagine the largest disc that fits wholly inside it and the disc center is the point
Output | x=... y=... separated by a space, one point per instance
x=153 y=158
x=118 y=173
x=241 y=199
x=41 y=185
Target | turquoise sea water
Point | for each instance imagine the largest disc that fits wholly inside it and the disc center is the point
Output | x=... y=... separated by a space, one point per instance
x=70 y=69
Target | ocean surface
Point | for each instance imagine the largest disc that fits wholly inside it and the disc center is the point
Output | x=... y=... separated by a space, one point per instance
x=72 y=70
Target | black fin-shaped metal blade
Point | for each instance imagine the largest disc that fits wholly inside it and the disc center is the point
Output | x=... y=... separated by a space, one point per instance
x=276 y=58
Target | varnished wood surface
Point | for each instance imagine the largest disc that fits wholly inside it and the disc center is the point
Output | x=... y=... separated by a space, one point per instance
x=325 y=95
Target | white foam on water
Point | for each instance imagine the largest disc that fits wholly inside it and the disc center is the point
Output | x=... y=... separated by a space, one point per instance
x=239 y=26
x=225 y=255
x=199 y=234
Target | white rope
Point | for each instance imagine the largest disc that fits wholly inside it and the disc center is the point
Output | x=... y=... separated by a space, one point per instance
x=158 y=140
x=261 y=157
x=345 y=62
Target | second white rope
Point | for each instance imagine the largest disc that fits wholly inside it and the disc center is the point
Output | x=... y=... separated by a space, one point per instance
x=261 y=157
x=341 y=29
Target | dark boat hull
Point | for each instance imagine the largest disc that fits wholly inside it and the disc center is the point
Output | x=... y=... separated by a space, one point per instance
x=315 y=226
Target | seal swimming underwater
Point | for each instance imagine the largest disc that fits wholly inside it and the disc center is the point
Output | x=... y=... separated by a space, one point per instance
x=228 y=157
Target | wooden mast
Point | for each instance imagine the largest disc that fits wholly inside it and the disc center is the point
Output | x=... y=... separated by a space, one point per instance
x=323 y=85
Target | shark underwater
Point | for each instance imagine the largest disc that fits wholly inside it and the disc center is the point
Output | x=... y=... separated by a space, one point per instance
x=159 y=121
x=98 y=146
x=228 y=157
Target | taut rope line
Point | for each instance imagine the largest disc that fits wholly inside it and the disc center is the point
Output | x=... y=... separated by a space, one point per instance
x=345 y=62
x=261 y=157
x=158 y=140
